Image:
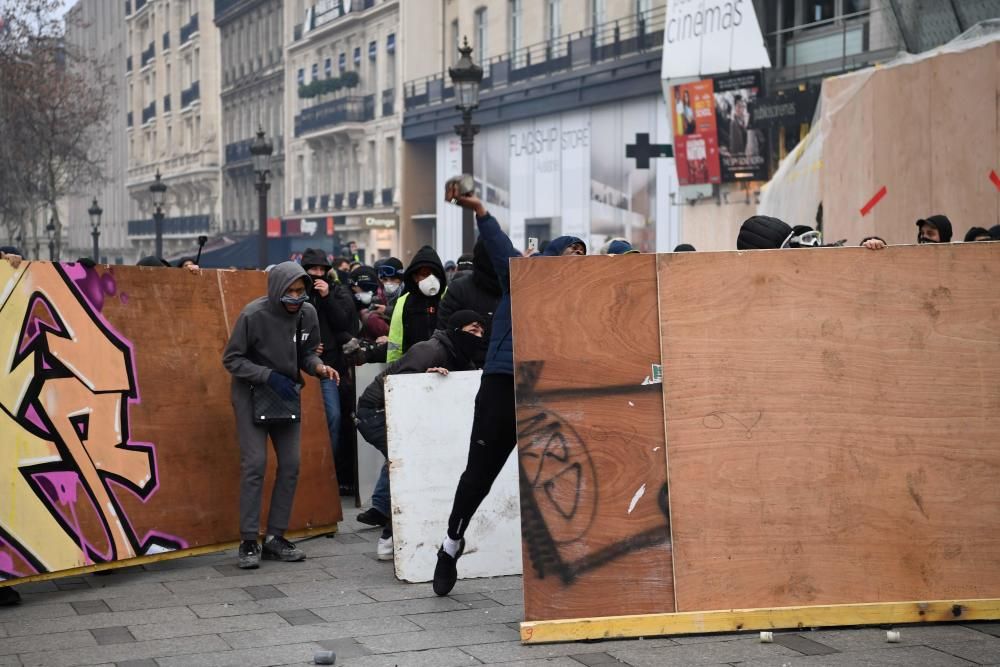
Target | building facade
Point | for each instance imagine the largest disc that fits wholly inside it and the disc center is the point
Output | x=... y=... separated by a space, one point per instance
x=97 y=28
x=173 y=120
x=251 y=35
x=567 y=87
x=342 y=125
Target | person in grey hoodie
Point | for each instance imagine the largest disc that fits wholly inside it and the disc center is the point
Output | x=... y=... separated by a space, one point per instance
x=263 y=350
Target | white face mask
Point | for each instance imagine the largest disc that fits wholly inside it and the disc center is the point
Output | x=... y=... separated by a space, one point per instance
x=430 y=285
x=364 y=297
x=391 y=289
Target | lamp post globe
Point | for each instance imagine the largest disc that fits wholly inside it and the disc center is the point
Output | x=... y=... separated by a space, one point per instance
x=261 y=150
x=466 y=76
x=158 y=190
x=95 y=212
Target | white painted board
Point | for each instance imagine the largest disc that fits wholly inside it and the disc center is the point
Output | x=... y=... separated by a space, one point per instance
x=370 y=460
x=429 y=420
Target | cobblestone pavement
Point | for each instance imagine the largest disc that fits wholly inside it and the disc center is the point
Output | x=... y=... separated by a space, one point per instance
x=204 y=611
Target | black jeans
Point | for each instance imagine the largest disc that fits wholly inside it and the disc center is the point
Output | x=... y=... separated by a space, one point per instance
x=494 y=434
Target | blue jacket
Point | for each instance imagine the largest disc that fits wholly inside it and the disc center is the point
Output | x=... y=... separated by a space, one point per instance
x=500 y=355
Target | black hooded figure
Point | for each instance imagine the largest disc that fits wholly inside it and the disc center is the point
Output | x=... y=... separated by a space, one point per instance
x=479 y=291
x=415 y=316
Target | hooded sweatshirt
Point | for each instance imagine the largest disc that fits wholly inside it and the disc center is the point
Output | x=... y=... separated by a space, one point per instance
x=500 y=356
x=415 y=312
x=478 y=290
x=338 y=320
x=263 y=338
x=439 y=351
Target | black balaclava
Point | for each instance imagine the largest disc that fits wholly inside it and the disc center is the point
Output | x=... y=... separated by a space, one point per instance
x=468 y=346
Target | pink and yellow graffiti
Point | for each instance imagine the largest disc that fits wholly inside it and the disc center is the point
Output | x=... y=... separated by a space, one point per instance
x=66 y=381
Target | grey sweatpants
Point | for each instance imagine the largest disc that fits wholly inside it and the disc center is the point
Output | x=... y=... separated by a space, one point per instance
x=253 y=463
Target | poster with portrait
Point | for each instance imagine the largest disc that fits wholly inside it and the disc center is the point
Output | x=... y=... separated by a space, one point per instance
x=695 y=136
x=742 y=141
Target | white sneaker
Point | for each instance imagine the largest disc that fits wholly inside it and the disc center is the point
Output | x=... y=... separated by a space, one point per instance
x=385 y=548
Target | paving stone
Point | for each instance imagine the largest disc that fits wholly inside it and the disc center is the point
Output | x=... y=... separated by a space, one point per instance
x=903 y=656
x=125 y=590
x=485 y=603
x=441 y=657
x=468 y=597
x=802 y=645
x=394 y=626
x=100 y=620
x=320 y=599
x=37 y=587
x=143 y=662
x=201 y=626
x=85 y=607
x=80 y=638
x=300 y=617
x=987 y=628
x=113 y=635
x=382 y=609
x=515 y=650
x=265 y=576
x=419 y=641
x=700 y=654
x=707 y=639
x=980 y=652
x=547 y=662
x=596 y=659
x=71 y=584
x=10 y=661
x=265 y=592
x=458 y=619
x=862 y=639
x=122 y=652
x=345 y=648
x=265 y=656
x=220 y=596
x=139 y=574
x=508 y=597
x=29 y=610
x=485 y=586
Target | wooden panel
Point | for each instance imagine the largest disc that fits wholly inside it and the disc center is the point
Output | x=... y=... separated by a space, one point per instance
x=590 y=437
x=832 y=425
x=117 y=412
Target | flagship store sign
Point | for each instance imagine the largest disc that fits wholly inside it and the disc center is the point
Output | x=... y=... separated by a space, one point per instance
x=703 y=37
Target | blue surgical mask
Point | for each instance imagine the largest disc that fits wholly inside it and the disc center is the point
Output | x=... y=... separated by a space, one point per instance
x=293 y=300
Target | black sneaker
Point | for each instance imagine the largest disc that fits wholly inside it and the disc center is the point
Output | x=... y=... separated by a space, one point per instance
x=372 y=517
x=8 y=596
x=446 y=571
x=249 y=555
x=278 y=548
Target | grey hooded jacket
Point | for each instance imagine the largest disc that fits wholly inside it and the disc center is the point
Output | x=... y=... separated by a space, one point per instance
x=263 y=338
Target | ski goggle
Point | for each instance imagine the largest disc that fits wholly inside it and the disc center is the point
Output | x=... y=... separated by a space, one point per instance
x=810 y=239
x=386 y=271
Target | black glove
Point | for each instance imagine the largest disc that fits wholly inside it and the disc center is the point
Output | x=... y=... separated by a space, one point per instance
x=282 y=385
x=354 y=352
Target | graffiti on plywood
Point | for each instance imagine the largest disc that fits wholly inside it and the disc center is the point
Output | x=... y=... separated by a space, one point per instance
x=67 y=381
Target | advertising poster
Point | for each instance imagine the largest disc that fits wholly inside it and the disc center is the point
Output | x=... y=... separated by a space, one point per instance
x=696 y=148
x=742 y=143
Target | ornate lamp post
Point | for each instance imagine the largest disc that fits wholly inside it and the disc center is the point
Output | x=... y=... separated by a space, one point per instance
x=466 y=77
x=159 y=192
x=95 y=212
x=261 y=150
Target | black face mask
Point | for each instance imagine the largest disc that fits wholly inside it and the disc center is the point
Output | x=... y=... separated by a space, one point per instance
x=470 y=347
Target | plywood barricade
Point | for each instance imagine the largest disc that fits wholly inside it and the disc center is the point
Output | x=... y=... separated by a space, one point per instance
x=117 y=436
x=831 y=435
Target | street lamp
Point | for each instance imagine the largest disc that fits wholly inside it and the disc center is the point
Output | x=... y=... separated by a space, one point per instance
x=95 y=212
x=261 y=150
x=49 y=231
x=159 y=191
x=466 y=77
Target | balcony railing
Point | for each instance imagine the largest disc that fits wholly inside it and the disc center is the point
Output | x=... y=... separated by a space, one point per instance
x=610 y=41
x=352 y=199
x=388 y=102
x=189 y=29
x=336 y=11
x=297 y=205
x=324 y=202
x=328 y=114
x=149 y=113
x=148 y=54
x=386 y=196
x=180 y=225
x=369 y=198
x=239 y=151
x=128 y=64
x=166 y=41
x=338 y=200
x=311 y=202
x=128 y=119
x=222 y=6
x=166 y=104
x=189 y=96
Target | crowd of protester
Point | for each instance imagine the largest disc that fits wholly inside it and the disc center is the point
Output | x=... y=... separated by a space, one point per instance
x=326 y=316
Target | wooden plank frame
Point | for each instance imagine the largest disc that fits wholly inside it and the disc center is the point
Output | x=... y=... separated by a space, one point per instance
x=739 y=620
